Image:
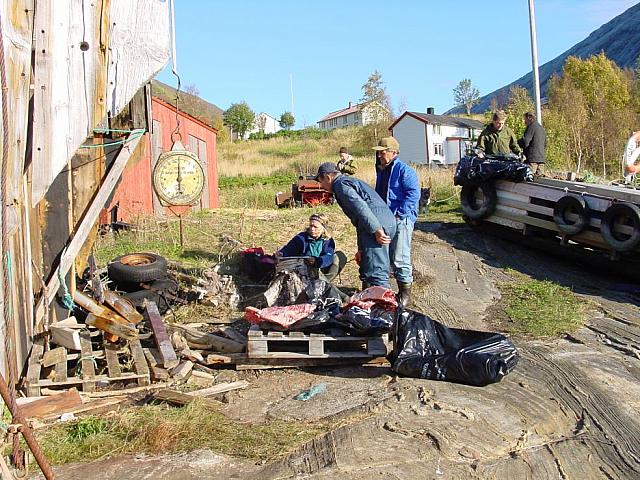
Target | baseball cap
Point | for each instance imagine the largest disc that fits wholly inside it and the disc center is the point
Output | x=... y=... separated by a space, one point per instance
x=388 y=143
x=326 y=167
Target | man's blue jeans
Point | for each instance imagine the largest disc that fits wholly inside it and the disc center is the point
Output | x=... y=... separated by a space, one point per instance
x=374 y=265
x=400 y=250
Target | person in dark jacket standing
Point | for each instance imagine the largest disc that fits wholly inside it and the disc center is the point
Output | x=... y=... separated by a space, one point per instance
x=497 y=138
x=397 y=183
x=533 y=143
x=374 y=222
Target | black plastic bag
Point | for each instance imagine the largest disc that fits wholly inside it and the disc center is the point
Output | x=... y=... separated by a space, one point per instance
x=476 y=170
x=366 y=323
x=424 y=348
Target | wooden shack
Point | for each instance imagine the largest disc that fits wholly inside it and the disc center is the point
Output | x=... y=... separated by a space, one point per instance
x=74 y=114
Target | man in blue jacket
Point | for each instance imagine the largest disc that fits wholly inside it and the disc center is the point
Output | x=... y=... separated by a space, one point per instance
x=374 y=222
x=397 y=183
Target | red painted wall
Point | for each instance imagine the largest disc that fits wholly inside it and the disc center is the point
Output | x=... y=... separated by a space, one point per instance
x=134 y=194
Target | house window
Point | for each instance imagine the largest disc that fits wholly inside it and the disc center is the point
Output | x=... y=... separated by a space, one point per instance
x=437 y=130
x=344 y=120
x=437 y=149
x=199 y=147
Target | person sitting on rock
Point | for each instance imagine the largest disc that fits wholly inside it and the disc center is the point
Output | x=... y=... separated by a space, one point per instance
x=316 y=244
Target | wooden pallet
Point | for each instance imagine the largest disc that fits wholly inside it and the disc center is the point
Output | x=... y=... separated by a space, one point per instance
x=264 y=344
x=85 y=376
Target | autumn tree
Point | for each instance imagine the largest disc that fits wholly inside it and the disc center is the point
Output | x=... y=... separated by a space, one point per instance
x=192 y=89
x=519 y=103
x=376 y=104
x=240 y=118
x=287 y=120
x=466 y=95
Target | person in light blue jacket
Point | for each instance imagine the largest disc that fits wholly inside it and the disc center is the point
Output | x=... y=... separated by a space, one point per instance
x=397 y=183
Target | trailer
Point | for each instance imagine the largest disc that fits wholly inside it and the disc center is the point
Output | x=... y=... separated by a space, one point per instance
x=598 y=220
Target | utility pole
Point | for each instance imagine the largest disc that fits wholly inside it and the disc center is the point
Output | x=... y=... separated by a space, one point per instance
x=534 y=61
x=293 y=112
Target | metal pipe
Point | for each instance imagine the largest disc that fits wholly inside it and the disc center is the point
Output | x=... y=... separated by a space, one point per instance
x=534 y=61
x=25 y=431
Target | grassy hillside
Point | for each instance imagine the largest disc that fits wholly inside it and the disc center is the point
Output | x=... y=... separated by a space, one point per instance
x=252 y=171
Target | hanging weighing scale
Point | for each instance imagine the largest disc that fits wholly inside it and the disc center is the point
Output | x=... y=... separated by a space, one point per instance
x=178 y=179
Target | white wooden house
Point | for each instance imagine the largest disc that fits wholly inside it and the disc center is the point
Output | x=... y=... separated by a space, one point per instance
x=265 y=123
x=430 y=139
x=354 y=115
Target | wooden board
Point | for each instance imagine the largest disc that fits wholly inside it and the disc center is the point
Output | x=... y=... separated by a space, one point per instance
x=57 y=404
x=139 y=362
x=168 y=358
x=33 y=371
x=87 y=363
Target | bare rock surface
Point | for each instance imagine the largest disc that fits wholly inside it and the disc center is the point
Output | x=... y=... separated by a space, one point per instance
x=568 y=410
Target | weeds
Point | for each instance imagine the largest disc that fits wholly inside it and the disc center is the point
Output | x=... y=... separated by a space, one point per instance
x=540 y=307
x=160 y=429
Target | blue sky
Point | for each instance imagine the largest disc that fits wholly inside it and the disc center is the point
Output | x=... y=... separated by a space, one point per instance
x=246 y=50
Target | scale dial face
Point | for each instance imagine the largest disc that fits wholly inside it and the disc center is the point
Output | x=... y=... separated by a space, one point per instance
x=178 y=178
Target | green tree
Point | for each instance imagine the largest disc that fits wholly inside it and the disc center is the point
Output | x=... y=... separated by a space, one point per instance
x=287 y=120
x=519 y=103
x=375 y=103
x=240 y=118
x=606 y=92
x=466 y=95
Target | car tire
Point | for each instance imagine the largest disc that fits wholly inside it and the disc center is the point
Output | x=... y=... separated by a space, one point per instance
x=470 y=207
x=571 y=204
x=614 y=213
x=137 y=267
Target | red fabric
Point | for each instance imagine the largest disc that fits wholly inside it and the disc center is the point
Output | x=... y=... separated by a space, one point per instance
x=256 y=250
x=284 y=316
x=381 y=296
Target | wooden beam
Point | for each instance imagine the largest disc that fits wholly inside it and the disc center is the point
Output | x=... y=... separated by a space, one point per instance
x=57 y=404
x=165 y=350
x=88 y=220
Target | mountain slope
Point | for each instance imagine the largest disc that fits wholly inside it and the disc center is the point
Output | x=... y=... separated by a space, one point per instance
x=619 y=39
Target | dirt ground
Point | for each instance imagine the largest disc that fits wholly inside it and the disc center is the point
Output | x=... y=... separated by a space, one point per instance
x=568 y=410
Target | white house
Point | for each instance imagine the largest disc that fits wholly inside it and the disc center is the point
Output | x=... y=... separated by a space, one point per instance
x=264 y=123
x=353 y=115
x=430 y=139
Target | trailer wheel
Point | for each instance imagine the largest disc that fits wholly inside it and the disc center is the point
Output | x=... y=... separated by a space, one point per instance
x=473 y=209
x=621 y=214
x=566 y=206
x=137 y=267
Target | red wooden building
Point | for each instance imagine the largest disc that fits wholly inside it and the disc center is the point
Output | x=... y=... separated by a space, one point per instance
x=135 y=195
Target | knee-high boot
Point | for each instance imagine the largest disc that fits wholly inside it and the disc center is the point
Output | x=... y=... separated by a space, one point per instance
x=404 y=292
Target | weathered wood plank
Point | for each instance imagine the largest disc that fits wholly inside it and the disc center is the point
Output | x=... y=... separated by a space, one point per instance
x=54 y=356
x=57 y=404
x=161 y=337
x=139 y=362
x=33 y=371
x=111 y=354
x=87 y=363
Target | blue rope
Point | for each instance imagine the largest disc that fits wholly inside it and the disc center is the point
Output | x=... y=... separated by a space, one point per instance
x=67 y=299
x=134 y=134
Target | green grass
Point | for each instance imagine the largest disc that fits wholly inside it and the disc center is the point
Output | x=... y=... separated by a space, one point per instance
x=540 y=308
x=156 y=429
x=239 y=182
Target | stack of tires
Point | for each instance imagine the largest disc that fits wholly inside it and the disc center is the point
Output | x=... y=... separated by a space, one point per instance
x=130 y=272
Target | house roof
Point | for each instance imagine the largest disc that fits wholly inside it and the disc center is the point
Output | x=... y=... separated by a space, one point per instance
x=192 y=105
x=441 y=120
x=341 y=113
